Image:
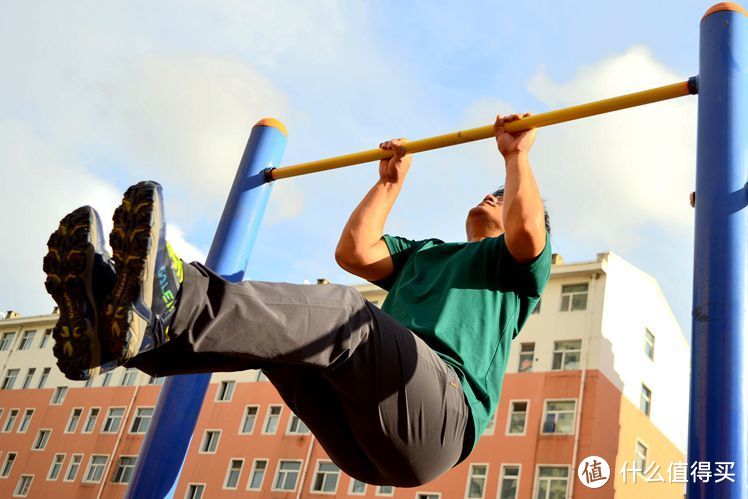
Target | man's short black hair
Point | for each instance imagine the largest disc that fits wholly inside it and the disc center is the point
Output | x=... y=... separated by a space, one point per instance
x=499 y=193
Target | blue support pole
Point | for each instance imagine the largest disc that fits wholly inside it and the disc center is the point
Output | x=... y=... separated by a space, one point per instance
x=165 y=446
x=719 y=360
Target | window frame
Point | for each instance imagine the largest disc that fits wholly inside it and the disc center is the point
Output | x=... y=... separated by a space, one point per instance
x=89 y=468
x=470 y=478
x=502 y=476
x=317 y=471
x=205 y=437
x=524 y=353
x=545 y=414
x=645 y=396
x=24 y=424
x=232 y=460
x=536 y=485
x=117 y=467
x=571 y=294
x=301 y=423
x=351 y=482
x=507 y=431
x=52 y=466
x=637 y=442
x=59 y=395
x=273 y=488
x=88 y=417
x=121 y=420
x=138 y=418
x=221 y=394
x=649 y=345
x=6 y=346
x=26 y=342
x=252 y=471
x=72 y=463
x=198 y=486
x=70 y=420
x=10 y=456
x=44 y=441
x=43 y=378
x=30 y=372
x=268 y=416
x=16 y=492
x=244 y=418
x=9 y=381
x=564 y=352
x=13 y=413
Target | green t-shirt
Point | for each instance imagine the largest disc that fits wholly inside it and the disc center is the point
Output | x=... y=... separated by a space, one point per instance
x=467 y=301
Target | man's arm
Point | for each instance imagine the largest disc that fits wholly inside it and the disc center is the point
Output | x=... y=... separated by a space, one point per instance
x=523 y=212
x=361 y=249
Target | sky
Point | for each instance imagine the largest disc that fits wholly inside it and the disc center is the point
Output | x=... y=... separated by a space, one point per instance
x=96 y=96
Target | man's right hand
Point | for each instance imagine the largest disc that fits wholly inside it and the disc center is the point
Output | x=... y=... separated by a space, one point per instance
x=393 y=170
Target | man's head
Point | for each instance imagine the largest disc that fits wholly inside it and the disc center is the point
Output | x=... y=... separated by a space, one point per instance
x=486 y=218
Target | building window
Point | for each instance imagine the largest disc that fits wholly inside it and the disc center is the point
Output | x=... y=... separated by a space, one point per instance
x=142 y=420
x=536 y=310
x=125 y=467
x=45 y=338
x=10 y=379
x=566 y=355
x=234 y=472
x=326 y=478
x=6 y=342
x=93 y=414
x=491 y=426
x=526 y=357
x=357 y=488
x=42 y=437
x=10 y=458
x=156 y=380
x=23 y=486
x=517 y=418
x=645 y=401
x=129 y=377
x=210 y=442
x=509 y=482
x=106 y=379
x=195 y=491
x=574 y=297
x=385 y=490
x=428 y=495
x=10 y=421
x=75 y=417
x=113 y=420
x=250 y=416
x=261 y=376
x=26 y=420
x=28 y=378
x=271 y=420
x=257 y=476
x=552 y=482
x=476 y=485
x=225 y=391
x=559 y=417
x=56 y=467
x=89 y=382
x=287 y=475
x=95 y=469
x=26 y=340
x=58 y=397
x=75 y=464
x=43 y=379
x=640 y=457
x=296 y=426
x=649 y=343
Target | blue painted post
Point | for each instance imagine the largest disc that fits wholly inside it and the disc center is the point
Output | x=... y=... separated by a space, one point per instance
x=719 y=360
x=165 y=446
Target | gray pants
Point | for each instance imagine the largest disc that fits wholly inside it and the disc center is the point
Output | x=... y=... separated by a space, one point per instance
x=383 y=405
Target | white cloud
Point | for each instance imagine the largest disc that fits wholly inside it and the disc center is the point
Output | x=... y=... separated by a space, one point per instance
x=183 y=249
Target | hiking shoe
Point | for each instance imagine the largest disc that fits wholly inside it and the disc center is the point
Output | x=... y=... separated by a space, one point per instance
x=79 y=274
x=141 y=305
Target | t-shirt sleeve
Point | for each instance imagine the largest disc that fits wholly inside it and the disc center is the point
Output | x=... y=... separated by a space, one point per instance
x=401 y=250
x=526 y=279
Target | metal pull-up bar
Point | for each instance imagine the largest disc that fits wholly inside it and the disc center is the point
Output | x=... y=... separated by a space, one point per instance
x=484 y=132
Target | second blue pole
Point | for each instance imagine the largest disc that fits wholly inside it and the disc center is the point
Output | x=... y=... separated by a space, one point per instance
x=168 y=439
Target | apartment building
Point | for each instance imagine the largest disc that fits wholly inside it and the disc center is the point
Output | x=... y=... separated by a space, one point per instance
x=600 y=369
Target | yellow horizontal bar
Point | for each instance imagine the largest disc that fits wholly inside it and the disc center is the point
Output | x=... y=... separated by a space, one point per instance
x=484 y=132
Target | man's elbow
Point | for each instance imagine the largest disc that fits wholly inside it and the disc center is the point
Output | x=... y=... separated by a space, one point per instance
x=526 y=241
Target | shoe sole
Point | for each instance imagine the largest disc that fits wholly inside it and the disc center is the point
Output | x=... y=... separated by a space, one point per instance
x=68 y=265
x=134 y=241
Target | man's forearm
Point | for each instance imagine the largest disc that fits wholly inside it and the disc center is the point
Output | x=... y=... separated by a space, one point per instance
x=365 y=226
x=523 y=212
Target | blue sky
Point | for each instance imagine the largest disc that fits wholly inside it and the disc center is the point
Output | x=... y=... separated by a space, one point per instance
x=97 y=96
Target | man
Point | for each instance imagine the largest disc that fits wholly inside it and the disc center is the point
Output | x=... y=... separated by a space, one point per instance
x=395 y=396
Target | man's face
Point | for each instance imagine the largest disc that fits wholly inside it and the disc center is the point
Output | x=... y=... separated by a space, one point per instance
x=485 y=219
